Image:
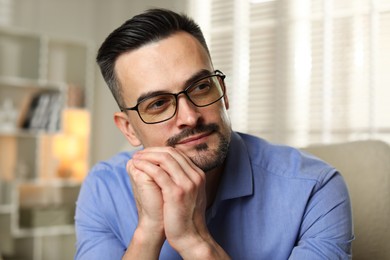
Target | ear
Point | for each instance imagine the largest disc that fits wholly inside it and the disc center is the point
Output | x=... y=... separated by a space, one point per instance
x=225 y=97
x=122 y=122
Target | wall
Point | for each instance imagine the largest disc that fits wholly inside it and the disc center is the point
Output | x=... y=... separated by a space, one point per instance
x=90 y=20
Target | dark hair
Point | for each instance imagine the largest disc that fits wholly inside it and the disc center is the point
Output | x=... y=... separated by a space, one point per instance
x=150 y=26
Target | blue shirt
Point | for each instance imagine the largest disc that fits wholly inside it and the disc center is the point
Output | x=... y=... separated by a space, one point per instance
x=273 y=202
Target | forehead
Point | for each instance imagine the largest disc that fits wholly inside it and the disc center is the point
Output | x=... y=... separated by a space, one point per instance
x=164 y=65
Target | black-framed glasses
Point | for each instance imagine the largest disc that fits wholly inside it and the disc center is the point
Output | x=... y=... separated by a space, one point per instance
x=159 y=107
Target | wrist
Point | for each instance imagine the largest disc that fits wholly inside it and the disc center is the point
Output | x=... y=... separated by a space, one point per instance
x=202 y=248
x=144 y=245
x=147 y=232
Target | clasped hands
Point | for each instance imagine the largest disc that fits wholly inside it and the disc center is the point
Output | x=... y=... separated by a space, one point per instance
x=170 y=195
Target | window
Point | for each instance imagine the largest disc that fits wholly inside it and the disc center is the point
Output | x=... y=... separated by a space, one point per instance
x=5 y=12
x=303 y=71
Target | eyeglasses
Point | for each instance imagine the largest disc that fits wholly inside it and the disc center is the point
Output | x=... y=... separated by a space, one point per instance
x=203 y=92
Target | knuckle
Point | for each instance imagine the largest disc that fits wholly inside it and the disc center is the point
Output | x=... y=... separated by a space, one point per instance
x=191 y=187
x=166 y=156
x=170 y=149
x=200 y=179
x=178 y=193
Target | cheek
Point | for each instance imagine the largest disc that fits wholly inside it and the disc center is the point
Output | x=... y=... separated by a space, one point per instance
x=223 y=114
x=217 y=114
x=153 y=136
x=225 y=119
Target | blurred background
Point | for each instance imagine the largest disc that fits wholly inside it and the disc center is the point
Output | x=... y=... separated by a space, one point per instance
x=299 y=72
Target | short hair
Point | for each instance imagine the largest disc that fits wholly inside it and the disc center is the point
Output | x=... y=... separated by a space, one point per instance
x=151 y=26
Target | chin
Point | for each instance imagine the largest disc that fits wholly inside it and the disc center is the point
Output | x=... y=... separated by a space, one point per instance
x=208 y=159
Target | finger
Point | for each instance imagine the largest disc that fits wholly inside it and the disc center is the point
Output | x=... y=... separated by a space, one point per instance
x=198 y=175
x=180 y=173
x=179 y=156
x=136 y=175
x=175 y=185
x=155 y=173
x=190 y=162
x=163 y=156
x=148 y=197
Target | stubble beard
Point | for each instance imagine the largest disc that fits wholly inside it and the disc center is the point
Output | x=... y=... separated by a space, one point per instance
x=206 y=158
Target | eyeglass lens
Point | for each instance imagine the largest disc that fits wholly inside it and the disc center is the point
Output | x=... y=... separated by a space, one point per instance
x=163 y=107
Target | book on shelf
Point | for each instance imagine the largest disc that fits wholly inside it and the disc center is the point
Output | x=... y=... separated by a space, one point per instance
x=44 y=112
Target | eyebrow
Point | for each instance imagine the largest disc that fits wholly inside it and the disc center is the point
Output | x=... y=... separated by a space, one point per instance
x=198 y=75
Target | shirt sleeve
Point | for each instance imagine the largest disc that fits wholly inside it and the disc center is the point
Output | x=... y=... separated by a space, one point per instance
x=95 y=238
x=326 y=231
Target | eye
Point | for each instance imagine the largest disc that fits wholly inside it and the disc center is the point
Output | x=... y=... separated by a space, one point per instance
x=201 y=88
x=157 y=104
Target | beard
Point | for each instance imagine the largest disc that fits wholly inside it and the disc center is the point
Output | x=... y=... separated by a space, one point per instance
x=206 y=158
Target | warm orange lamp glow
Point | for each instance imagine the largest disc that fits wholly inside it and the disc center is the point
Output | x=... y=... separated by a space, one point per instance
x=70 y=147
x=76 y=122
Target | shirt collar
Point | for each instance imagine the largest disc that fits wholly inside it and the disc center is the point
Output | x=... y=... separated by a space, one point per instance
x=237 y=178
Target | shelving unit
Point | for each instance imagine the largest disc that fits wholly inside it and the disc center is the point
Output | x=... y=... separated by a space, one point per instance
x=37 y=203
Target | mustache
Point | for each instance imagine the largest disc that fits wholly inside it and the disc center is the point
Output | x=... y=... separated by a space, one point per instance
x=188 y=132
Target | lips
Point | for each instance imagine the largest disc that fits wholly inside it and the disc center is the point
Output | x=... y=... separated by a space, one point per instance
x=192 y=135
x=194 y=138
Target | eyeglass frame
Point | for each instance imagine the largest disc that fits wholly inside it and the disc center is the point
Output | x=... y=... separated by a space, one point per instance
x=217 y=73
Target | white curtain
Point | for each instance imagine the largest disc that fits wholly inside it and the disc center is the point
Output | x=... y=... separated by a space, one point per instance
x=303 y=71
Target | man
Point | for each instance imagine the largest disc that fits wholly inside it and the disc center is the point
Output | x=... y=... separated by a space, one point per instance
x=196 y=189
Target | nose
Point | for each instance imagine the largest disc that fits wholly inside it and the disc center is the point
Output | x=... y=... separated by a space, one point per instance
x=187 y=114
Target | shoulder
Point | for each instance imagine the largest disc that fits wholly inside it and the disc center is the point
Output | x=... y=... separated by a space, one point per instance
x=105 y=204
x=106 y=186
x=109 y=173
x=286 y=161
x=115 y=163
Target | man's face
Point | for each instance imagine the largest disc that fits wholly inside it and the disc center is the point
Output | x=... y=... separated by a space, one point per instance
x=169 y=65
